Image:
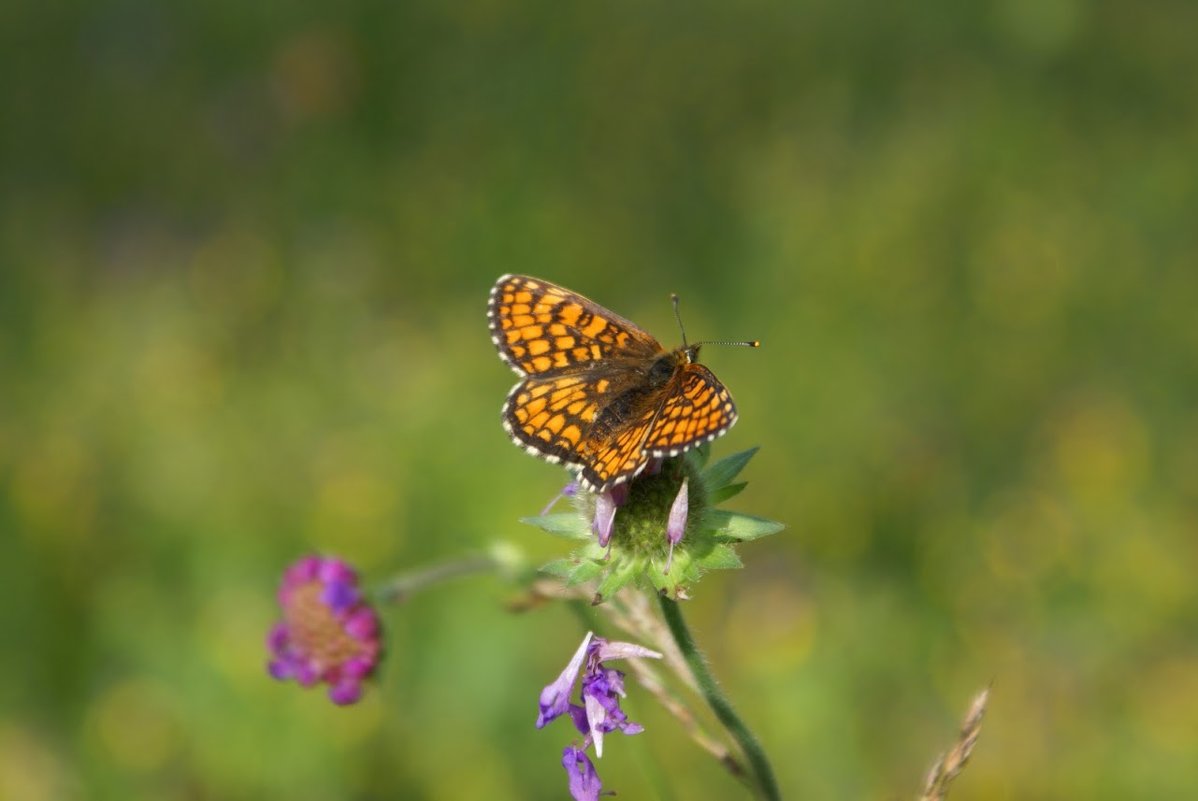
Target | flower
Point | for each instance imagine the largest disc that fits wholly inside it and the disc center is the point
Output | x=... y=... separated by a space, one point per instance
x=329 y=633
x=568 y=491
x=605 y=512
x=669 y=531
x=602 y=689
x=599 y=712
x=584 y=780
x=555 y=698
x=676 y=522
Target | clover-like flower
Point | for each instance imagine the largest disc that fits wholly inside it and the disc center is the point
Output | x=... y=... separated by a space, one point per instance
x=329 y=633
x=661 y=530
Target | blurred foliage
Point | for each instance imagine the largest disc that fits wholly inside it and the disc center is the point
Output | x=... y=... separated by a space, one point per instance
x=244 y=256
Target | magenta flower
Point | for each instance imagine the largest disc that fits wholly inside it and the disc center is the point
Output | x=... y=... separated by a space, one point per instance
x=329 y=633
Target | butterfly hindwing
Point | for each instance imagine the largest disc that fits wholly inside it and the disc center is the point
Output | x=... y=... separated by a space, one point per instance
x=553 y=416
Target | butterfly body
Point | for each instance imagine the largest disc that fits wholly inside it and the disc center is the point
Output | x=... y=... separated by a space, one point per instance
x=597 y=393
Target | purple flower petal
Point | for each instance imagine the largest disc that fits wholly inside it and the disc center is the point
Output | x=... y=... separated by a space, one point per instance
x=568 y=491
x=340 y=596
x=676 y=523
x=346 y=691
x=584 y=780
x=555 y=698
x=596 y=721
x=624 y=650
x=605 y=518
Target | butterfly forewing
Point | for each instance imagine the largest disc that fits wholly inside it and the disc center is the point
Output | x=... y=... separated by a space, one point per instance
x=539 y=327
x=697 y=409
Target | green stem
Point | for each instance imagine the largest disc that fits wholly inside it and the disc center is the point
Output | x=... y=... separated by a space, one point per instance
x=766 y=785
x=398 y=589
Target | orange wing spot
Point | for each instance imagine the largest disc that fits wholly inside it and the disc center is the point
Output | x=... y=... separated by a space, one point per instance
x=522 y=320
x=561 y=360
x=518 y=351
x=596 y=325
x=572 y=433
x=533 y=332
x=576 y=407
x=570 y=313
x=535 y=406
x=555 y=423
x=524 y=298
x=545 y=435
x=601 y=385
x=539 y=390
x=542 y=363
x=513 y=336
x=539 y=419
x=596 y=353
x=564 y=343
x=536 y=347
x=519 y=308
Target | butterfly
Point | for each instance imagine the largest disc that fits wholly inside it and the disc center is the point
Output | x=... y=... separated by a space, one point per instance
x=597 y=393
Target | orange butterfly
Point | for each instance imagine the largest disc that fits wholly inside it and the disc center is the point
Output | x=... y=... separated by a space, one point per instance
x=596 y=392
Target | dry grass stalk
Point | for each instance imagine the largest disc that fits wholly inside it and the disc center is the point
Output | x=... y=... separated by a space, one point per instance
x=950 y=764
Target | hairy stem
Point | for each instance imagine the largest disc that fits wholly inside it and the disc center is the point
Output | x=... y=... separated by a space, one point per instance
x=765 y=785
x=398 y=589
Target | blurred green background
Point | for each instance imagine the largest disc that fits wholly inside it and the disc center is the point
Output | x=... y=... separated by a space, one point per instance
x=245 y=251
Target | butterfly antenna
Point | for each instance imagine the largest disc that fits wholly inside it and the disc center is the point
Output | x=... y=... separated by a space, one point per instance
x=752 y=343
x=678 y=316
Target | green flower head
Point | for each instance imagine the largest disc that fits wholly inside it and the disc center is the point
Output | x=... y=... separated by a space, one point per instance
x=660 y=530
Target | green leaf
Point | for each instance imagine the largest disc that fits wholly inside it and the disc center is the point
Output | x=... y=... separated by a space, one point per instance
x=721 y=557
x=740 y=526
x=569 y=525
x=559 y=567
x=698 y=456
x=725 y=492
x=726 y=469
x=619 y=575
x=584 y=571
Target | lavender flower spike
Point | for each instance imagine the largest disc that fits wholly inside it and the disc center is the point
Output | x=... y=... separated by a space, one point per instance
x=676 y=523
x=584 y=780
x=602 y=689
x=328 y=633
